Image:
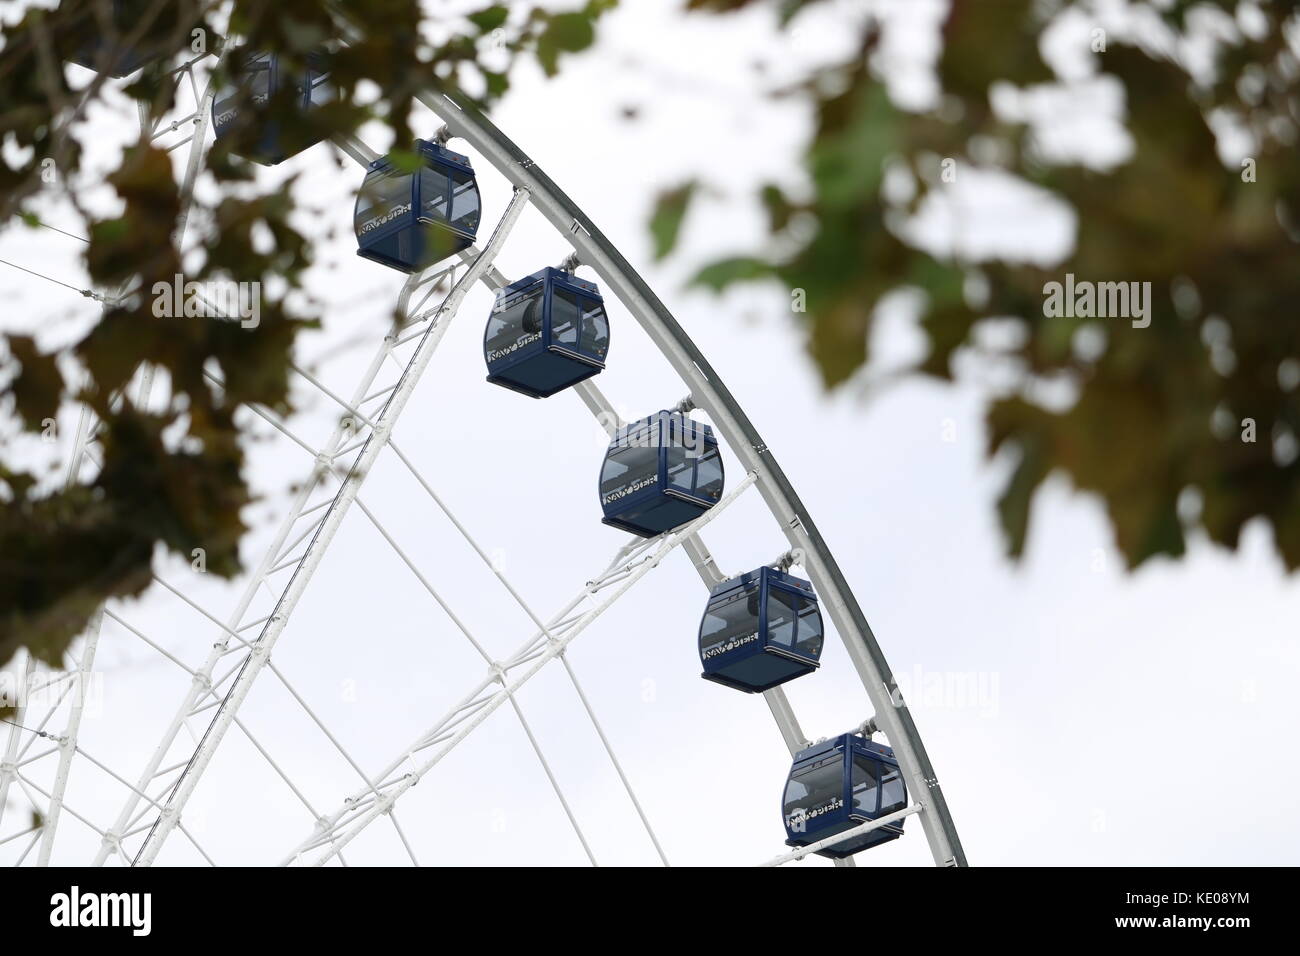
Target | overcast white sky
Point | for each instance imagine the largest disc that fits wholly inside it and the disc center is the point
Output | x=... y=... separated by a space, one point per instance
x=1075 y=714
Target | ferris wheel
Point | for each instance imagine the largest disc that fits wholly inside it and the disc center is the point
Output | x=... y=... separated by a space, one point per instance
x=661 y=483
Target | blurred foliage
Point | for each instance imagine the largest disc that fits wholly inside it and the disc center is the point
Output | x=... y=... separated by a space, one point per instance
x=1160 y=413
x=174 y=477
x=669 y=214
x=1157 y=409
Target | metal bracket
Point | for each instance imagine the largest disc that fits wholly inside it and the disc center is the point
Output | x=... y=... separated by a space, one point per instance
x=784 y=562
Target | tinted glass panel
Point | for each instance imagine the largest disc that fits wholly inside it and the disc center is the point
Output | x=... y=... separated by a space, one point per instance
x=564 y=319
x=893 y=795
x=708 y=474
x=321 y=92
x=865 y=780
x=258 y=80
x=808 y=640
x=252 y=86
x=433 y=194
x=681 y=469
x=781 y=610
x=384 y=197
x=465 y=204
x=628 y=470
x=516 y=321
x=729 y=624
x=813 y=792
x=595 y=330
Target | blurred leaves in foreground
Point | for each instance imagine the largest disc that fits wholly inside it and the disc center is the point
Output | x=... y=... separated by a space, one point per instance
x=173 y=477
x=1155 y=415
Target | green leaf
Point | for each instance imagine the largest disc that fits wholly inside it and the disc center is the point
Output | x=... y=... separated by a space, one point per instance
x=489 y=18
x=497 y=84
x=567 y=32
x=718 y=6
x=792 y=8
x=989 y=41
x=859 y=130
x=669 y=213
x=722 y=273
x=779 y=208
x=572 y=31
x=38 y=387
x=1021 y=425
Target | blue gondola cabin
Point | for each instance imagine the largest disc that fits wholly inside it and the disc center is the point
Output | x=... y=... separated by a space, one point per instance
x=660 y=473
x=409 y=220
x=546 y=332
x=245 y=112
x=840 y=784
x=759 y=630
x=168 y=31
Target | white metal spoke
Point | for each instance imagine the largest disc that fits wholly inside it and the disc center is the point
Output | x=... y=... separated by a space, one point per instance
x=711 y=576
x=8 y=766
x=710 y=394
x=28 y=850
x=320 y=724
x=155 y=804
x=211 y=692
x=460 y=625
x=527 y=609
x=68 y=742
x=844 y=835
x=334 y=515
x=39 y=732
x=20 y=834
x=550 y=775
x=401 y=835
x=203 y=677
x=618 y=767
x=487 y=659
x=499 y=673
x=87 y=427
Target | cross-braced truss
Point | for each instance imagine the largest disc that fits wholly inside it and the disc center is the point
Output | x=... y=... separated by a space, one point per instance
x=42 y=749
